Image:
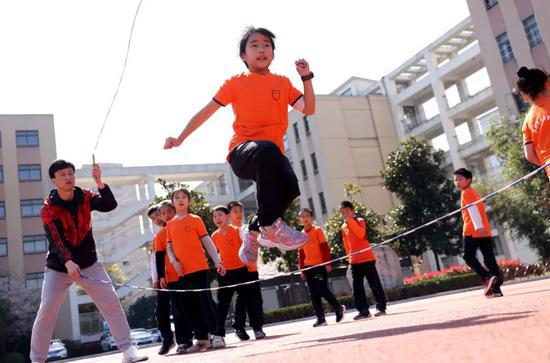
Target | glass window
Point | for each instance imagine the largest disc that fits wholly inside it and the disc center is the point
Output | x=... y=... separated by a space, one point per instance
x=304 y=169
x=505 y=47
x=31 y=207
x=310 y=204
x=3 y=247
x=532 y=31
x=314 y=162
x=323 y=203
x=490 y=3
x=2 y=209
x=34 y=244
x=296 y=133
x=35 y=280
x=1 y=173
x=26 y=138
x=30 y=173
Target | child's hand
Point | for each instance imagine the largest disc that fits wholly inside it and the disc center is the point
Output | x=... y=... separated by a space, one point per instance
x=171 y=142
x=303 y=275
x=178 y=268
x=73 y=270
x=302 y=66
x=155 y=285
x=163 y=284
x=328 y=267
x=221 y=270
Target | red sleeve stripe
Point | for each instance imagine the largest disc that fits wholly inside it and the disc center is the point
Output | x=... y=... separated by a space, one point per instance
x=59 y=242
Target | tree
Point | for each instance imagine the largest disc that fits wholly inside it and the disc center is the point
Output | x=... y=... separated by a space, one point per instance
x=139 y=313
x=116 y=273
x=334 y=223
x=285 y=261
x=415 y=175
x=525 y=209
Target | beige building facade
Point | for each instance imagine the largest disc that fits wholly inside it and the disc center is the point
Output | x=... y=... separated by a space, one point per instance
x=511 y=33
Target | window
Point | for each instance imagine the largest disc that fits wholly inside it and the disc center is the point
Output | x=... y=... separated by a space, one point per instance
x=505 y=47
x=26 y=138
x=310 y=204
x=296 y=133
x=30 y=173
x=31 y=207
x=323 y=203
x=490 y=3
x=34 y=280
x=3 y=247
x=532 y=31
x=304 y=169
x=306 y=125
x=1 y=173
x=2 y=210
x=285 y=142
x=34 y=244
x=314 y=162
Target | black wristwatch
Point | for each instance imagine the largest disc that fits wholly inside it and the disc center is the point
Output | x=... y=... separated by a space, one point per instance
x=308 y=77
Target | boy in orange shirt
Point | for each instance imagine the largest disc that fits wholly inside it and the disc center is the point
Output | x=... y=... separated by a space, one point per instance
x=260 y=101
x=228 y=241
x=315 y=252
x=363 y=265
x=477 y=234
x=187 y=242
x=162 y=306
x=254 y=304
x=534 y=86
x=168 y=279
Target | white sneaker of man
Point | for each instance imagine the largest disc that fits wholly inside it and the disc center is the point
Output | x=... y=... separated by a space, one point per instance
x=131 y=355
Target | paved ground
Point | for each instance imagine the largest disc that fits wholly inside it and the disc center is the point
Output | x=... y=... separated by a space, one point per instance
x=461 y=327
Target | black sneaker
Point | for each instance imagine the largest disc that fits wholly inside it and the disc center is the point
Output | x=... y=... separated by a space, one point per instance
x=182 y=348
x=259 y=334
x=490 y=285
x=362 y=315
x=319 y=323
x=380 y=313
x=497 y=292
x=340 y=313
x=241 y=334
x=166 y=346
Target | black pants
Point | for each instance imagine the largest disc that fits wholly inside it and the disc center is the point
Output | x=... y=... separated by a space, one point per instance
x=225 y=296
x=198 y=306
x=162 y=312
x=276 y=183
x=485 y=245
x=317 y=283
x=359 y=271
x=182 y=326
x=253 y=305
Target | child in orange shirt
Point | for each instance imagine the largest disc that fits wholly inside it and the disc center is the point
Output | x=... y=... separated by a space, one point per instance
x=162 y=306
x=315 y=252
x=228 y=241
x=534 y=87
x=187 y=241
x=260 y=101
x=254 y=304
x=477 y=234
x=363 y=265
x=168 y=279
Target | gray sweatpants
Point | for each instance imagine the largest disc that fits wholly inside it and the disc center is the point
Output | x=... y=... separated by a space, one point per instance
x=54 y=290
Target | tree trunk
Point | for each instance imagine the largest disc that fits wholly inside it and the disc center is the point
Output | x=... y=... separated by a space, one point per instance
x=436 y=261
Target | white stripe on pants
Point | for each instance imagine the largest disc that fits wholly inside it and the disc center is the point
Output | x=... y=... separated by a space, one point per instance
x=54 y=290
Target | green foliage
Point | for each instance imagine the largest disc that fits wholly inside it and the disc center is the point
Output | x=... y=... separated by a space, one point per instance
x=13 y=358
x=415 y=175
x=141 y=314
x=115 y=273
x=285 y=261
x=334 y=223
x=525 y=209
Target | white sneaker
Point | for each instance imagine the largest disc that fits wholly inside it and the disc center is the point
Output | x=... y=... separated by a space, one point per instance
x=199 y=345
x=283 y=236
x=131 y=355
x=218 y=342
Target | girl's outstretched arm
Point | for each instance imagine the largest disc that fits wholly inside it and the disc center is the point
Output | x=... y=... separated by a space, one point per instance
x=193 y=124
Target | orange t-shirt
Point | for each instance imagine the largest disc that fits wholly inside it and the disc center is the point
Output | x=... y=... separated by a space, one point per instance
x=469 y=195
x=160 y=244
x=185 y=235
x=260 y=104
x=312 y=250
x=228 y=246
x=536 y=129
x=354 y=234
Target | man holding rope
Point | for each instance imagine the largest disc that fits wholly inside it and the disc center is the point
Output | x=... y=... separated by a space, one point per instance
x=67 y=218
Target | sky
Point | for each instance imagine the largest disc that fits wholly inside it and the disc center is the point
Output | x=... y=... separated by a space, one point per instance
x=64 y=57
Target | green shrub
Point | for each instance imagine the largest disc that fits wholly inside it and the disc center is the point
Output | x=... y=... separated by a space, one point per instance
x=12 y=358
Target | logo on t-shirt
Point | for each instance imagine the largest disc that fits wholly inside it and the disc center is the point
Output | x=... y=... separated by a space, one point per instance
x=276 y=94
x=187 y=229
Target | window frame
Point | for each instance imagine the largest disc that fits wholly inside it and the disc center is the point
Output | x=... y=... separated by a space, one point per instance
x=30 y=169
x=33 y=204
x=35 y=238
x=26 y=134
